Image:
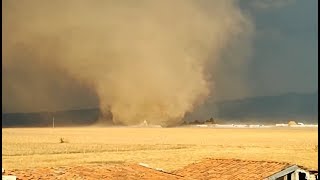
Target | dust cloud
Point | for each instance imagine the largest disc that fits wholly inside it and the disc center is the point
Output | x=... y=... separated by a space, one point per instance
x=145 y=60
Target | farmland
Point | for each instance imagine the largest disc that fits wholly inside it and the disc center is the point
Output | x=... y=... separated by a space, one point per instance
x=166 y=148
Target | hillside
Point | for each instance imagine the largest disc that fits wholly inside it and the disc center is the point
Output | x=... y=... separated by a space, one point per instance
x=81 y=117
x=290 y=105
x=265 y=109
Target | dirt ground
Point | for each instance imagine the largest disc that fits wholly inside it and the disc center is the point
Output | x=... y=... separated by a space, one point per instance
x=25 y=150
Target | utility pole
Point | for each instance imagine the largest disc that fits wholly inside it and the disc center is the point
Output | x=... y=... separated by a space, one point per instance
x=53 y=122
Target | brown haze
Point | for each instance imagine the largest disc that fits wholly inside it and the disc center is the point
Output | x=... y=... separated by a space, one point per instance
x=145 y=60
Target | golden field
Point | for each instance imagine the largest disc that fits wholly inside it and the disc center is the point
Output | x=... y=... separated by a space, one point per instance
x=166 y=148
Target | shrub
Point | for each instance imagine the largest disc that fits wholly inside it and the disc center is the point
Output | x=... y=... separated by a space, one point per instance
x=62 y=140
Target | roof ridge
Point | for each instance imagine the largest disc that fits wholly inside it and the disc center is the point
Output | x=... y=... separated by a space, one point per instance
x=155 y=169
x=235 y=159
x=306 y=168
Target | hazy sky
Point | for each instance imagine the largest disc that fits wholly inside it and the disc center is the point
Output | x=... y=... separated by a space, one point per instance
x=284 y=58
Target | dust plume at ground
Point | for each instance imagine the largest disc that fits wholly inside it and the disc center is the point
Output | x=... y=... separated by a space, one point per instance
x=144 y=60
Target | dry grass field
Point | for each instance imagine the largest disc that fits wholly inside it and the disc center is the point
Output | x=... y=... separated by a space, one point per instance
x=166 y=148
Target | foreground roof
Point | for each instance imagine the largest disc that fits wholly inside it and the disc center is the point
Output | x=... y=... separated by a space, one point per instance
x=232 y=169
x=94 y=172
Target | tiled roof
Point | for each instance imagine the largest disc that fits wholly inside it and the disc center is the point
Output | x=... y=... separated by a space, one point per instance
x=231 y=169
x=222 y=169
x=93 y=172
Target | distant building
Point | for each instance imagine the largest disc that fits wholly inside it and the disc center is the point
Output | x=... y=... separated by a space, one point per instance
x=202 y=125
x=145 y=123
x=224 y=125
x=240 y=125
x=290 y=123
x=281 y=125
x=254 y=126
